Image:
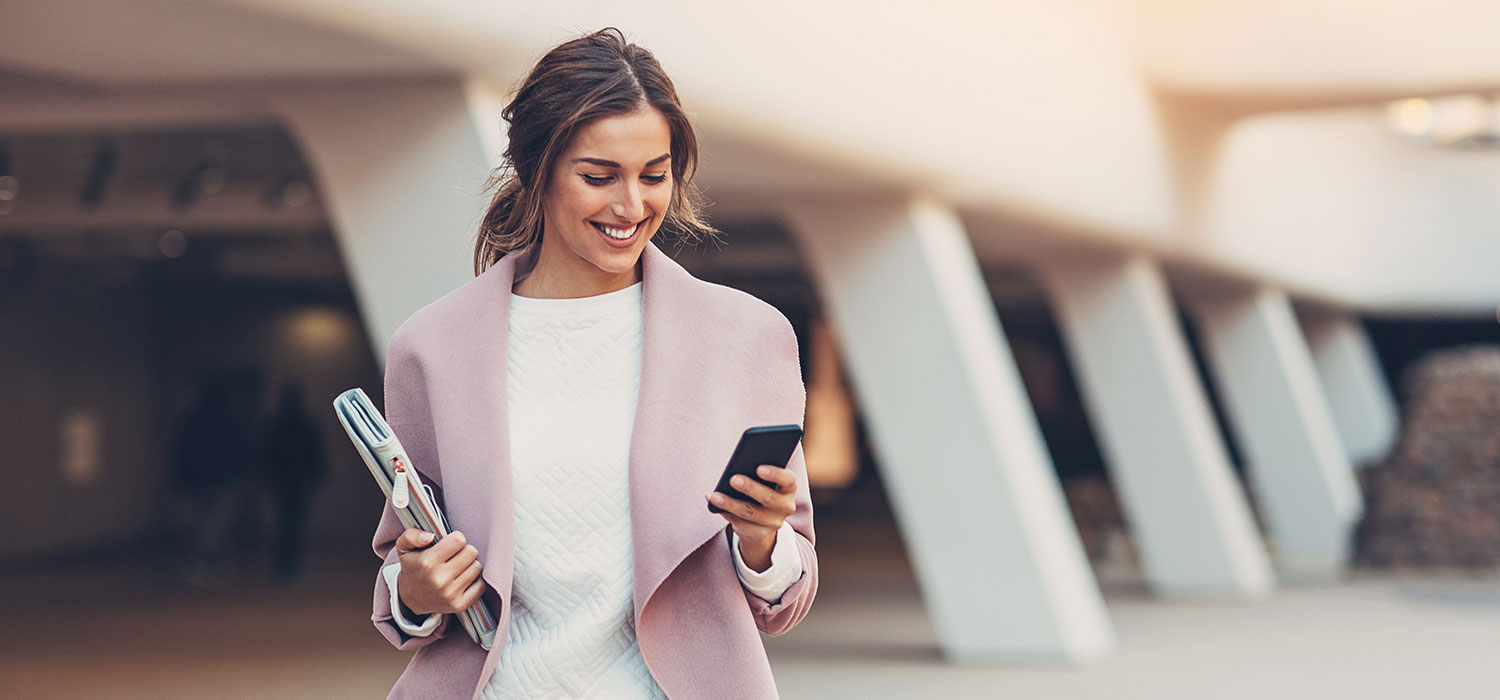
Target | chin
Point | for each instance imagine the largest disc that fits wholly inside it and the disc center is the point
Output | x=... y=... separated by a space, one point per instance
x=618 y=262
x=616 y=268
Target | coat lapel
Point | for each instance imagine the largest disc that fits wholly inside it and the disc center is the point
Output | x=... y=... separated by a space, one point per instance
x=482 y=444
x=669 y=518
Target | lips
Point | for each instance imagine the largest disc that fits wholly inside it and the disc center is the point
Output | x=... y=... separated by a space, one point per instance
x=616 y=233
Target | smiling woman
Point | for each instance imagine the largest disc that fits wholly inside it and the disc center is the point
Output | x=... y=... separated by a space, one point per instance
x=602 y=111
x=606 y=198
x=574 y=405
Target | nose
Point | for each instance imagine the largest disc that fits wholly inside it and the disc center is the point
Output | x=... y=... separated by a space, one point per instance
x=628 y=204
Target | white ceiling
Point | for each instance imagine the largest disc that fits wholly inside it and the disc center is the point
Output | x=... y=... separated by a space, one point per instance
x=1047 y=112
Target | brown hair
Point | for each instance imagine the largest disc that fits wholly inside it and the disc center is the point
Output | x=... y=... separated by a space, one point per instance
x=593 y=76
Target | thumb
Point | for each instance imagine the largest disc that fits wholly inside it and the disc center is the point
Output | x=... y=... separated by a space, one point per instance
x=413 y=539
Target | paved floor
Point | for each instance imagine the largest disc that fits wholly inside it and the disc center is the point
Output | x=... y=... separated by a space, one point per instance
x=120 y=631
x=1371 y=639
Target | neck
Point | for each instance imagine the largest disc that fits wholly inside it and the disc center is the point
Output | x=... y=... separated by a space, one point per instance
x=553 y=278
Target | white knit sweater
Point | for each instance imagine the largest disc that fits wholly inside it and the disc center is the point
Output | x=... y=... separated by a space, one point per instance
x=573 y=376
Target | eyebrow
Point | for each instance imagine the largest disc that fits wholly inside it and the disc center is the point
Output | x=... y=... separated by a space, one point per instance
x=611 y=164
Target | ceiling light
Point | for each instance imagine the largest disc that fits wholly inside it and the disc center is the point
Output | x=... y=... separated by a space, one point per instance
x=172 y=244
x=1411 y=117
x=291 y=192
x=1452 y=121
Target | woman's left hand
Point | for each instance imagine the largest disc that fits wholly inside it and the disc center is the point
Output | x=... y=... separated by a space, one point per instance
x=757 y=523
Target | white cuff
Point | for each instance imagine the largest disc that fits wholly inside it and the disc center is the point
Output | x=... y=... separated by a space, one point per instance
x=414 y=630
x=786 y=566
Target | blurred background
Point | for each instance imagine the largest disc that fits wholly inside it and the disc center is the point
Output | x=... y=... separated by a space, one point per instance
x=1151 y=346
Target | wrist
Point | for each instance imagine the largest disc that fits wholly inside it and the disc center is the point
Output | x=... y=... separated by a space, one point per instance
x=409 y=612
x=408 y=621
x=756 y=553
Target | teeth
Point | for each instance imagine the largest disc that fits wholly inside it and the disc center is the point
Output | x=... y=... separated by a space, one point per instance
x=617 y=233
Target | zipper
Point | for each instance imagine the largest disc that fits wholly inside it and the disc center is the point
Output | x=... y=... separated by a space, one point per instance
x=400 y=491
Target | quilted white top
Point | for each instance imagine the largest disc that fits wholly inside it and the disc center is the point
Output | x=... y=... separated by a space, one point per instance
x=573 y=375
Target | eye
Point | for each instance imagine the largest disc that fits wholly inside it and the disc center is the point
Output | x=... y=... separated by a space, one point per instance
x=597 y=180
x=655 y=179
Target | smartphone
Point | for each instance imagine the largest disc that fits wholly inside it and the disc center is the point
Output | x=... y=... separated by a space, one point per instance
x=767 y=444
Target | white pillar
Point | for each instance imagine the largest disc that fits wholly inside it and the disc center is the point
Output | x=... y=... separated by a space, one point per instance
x=1186 y=510
x=1000 y=565
x=401 y=165
x=1306 y=488
x=1358 y=394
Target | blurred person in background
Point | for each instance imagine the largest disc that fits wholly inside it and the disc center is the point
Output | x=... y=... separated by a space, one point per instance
x=572 y=405
x=213 y=450
x=293 y=463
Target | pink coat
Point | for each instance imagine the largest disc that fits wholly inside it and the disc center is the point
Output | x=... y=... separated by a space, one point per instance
x=714 y=362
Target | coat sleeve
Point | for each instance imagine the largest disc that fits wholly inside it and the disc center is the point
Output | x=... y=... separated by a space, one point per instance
x=407 y=410
x=783 y=363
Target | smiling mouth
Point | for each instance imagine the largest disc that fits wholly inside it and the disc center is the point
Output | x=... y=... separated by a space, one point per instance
x=618 y=234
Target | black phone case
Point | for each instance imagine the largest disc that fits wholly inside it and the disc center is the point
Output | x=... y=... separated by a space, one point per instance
x=769 y=444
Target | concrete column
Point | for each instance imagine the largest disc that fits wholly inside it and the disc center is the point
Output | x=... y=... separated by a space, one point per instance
x=1298 y=468
x=1185 y=507
x=401 y=165
x=1000 y=565
x=1358 y=394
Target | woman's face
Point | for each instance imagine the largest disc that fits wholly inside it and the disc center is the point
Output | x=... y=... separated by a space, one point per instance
x=606 y=198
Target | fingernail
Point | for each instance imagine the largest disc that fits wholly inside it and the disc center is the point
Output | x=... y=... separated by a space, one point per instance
x=764 y=471
x=426 y=537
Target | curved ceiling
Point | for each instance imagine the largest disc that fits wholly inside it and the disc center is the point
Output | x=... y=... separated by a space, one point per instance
x=1093 y=121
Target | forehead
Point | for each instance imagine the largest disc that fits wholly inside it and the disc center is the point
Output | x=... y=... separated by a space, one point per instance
x=628 y=139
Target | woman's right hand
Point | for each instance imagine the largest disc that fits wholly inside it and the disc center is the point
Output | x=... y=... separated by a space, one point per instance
x=439 y=578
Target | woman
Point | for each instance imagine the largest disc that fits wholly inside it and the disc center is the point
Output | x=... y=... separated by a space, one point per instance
x=572 y=405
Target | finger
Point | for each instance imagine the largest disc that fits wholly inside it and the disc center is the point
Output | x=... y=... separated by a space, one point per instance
x=764 y=495
x=785 y=480
x=412 y=540
x=747 y=511
x=453 y=590
x=470 y=574
x=740 y=523
x=471 y=594
x=448 y=546
x=459 y=562
x=747 y=529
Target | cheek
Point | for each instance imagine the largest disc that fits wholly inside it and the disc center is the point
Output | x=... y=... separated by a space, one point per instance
x=660 y=201
x=570 y=202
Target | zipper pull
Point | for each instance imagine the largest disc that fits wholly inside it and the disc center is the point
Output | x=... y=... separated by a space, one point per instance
x=400 y=494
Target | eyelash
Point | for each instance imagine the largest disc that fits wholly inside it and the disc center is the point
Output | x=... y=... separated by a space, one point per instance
x=601 y=181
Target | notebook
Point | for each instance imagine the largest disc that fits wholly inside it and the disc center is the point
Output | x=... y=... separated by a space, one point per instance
x=412 y=500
